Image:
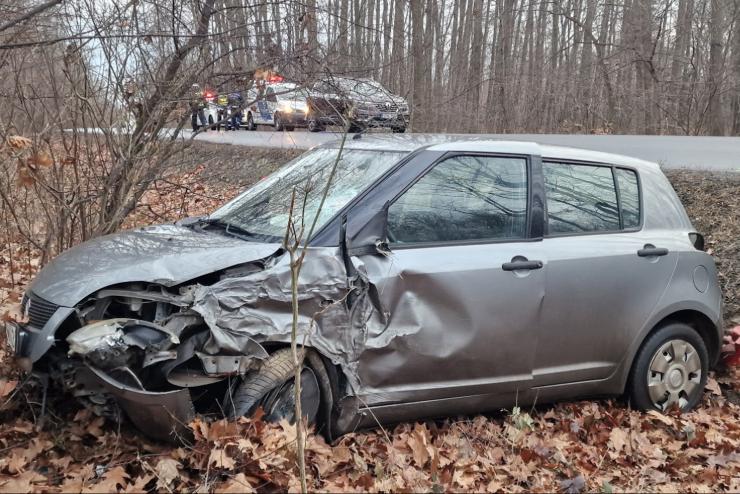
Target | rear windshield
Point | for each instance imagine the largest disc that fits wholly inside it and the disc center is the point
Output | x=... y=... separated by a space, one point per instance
x=263 y=209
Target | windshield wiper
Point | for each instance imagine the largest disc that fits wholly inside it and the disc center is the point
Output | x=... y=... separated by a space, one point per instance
x=230 y=228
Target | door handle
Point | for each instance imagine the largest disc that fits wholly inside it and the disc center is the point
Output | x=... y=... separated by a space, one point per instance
x=521 y=263
x=649 y=250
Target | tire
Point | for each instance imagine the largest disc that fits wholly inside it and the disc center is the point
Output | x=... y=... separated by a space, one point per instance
x=250 y=122
x=313 y=126
x=290 y=128
x=354 y=128
x=267 y=386
x=278 y=123
x=680 y=352
x=398 y=130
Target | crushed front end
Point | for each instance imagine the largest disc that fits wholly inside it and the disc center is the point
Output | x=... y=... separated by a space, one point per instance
x=163 y=353
x=136 y=346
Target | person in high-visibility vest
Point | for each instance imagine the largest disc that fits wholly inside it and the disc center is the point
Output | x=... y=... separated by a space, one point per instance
x=197 y=108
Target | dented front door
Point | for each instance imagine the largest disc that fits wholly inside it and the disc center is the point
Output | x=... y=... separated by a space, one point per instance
x=462 y=287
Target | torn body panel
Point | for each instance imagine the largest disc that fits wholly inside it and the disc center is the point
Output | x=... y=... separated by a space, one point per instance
x=335 y=314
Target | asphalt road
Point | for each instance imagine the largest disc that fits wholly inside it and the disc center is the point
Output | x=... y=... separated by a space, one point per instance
x=715 y=153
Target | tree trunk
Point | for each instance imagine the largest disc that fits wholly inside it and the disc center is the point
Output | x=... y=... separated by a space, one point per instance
x=417 y=48
x=714 y=106
x=398 y=43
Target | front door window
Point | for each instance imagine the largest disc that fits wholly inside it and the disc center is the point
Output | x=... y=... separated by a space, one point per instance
x=465 y=198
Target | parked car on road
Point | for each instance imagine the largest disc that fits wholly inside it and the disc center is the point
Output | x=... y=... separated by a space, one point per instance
x=445 y=277
x=281 y=105
x=361 y=103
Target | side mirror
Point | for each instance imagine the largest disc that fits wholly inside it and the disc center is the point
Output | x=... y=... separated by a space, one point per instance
x=370 y=238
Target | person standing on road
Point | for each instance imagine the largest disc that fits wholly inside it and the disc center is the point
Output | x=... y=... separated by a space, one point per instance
x=197 y=108
x=235 y=110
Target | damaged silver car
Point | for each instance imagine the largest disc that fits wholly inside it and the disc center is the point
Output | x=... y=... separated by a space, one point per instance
x=445 y=277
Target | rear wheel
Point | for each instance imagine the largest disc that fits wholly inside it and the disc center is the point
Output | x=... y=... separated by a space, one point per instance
x=670 y=369
x=272 y=388
x=398 y=130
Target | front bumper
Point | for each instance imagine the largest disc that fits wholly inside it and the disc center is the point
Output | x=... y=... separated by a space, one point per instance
x=29 y=343
x=161 y=415
x=295 y=119
x=397 y=120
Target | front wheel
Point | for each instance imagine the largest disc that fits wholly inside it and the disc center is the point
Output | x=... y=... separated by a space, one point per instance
x=314 y=126
x=272 y=388
x=670 y=370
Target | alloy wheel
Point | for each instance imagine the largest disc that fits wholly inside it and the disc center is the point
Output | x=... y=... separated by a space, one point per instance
x=674 y=374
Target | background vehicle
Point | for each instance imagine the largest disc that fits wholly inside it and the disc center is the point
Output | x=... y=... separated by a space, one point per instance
x=451 y=277
x=217 y=108
x=362 y=103
x=214 y=113
x=281 y=105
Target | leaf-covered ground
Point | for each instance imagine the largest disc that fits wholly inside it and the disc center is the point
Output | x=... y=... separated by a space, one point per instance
x=587 y=445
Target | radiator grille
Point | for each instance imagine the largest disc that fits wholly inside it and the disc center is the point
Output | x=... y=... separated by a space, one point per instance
x=39 y=312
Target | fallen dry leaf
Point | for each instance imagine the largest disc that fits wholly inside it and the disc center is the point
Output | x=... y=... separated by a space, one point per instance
x=7 y=387
x=19 y=142
x=713 y=386
x=167 y=471
x=237 y=484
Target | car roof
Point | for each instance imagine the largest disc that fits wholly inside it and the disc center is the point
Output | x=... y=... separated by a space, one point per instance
x=483 y=144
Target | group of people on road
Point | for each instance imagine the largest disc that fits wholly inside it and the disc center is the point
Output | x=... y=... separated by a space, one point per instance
x=229 y=109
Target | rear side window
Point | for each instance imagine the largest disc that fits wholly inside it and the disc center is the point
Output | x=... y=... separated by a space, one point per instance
x=580 y=198
x=463 y=198
x=629 y=197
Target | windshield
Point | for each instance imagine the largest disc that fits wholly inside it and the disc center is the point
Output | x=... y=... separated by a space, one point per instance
x=263 y=209
x=364 y=88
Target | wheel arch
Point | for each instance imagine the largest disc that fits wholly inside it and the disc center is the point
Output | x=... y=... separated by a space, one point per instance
x=696 y=318
x=331 y=381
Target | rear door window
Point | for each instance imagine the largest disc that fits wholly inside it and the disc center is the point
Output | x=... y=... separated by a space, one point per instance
x=580 y=198
x=585 y=198
x=465 y=198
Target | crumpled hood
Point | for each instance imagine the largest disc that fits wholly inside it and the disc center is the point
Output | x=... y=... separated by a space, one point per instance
x=166 y=254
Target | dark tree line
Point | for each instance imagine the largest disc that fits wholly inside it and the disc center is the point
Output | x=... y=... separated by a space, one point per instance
x=631 y=66
x=626 y=66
